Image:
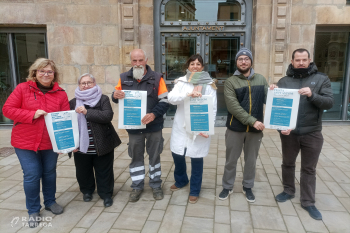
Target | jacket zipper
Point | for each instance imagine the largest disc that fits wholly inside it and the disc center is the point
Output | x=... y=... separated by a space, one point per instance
x=250 y=102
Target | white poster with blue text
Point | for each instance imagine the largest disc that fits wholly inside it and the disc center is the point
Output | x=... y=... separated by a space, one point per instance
x=199 y=115
x=281 y=110
x=63 y=130
x=132 y=108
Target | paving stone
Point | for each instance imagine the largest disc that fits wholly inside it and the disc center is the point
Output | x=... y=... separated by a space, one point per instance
x=238 y=202
x=346 y=188
x=241 y=222
x=7 y=184
x=219 y=228
x=156 y=215
x=71 y=216
x=287 y=208
x=266 y=217
x=336 y=221
x=200 y=210
x=321 y=187
x=62 y=184
x=173 y=219
x=328 y=202
x=293 y=224
x=127 y=219
x=15 y=202
x=191 y=224
x=324 y=175
x=66 y=171
x=180 y=197
x=310 y=224
x=104 y=222
x=274 y=179
x=151 y=227
x=222 y=214
x=260 y=175
x=78 y=230
x=336 y=189
x=162 y=204
x=66 y=197
x=90 y=217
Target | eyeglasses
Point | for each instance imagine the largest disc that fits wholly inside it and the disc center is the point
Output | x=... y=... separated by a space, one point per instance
x=246 y=59
x=86 y=84
x=43 y=72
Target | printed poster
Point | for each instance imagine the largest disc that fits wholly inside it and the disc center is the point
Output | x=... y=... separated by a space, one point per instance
x=63 y=130
x=132 y=109
x=199 y=115
x=281 y=110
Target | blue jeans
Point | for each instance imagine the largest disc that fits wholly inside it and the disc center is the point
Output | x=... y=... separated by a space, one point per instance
x=180 y=173
x=38 y=165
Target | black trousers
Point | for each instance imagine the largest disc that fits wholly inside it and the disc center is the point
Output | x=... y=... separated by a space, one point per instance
x=85 y=165
x=310 y=146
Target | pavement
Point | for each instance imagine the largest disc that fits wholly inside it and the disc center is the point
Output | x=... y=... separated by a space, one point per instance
x=174 y=213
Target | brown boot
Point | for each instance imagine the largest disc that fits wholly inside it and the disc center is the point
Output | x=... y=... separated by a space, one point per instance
x=174 y=188
x=193 y=199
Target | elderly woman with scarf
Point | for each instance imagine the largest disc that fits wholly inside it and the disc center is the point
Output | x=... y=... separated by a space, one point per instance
x=195 y=84
x=98 y=139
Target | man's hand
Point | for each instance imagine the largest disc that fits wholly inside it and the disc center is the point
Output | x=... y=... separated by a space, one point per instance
x=273 y=86
x=286 y=132
x=259 y=125
x=76 y=150
x=204 y=135
x=39 y=113
x=118 y=94
x=148 y=118
x=81 y=109
x=305 y=91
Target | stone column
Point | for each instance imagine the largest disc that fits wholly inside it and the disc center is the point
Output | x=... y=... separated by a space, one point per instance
x=129 y=13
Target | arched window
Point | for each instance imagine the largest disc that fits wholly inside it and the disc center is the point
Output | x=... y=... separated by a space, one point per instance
x=203 y=10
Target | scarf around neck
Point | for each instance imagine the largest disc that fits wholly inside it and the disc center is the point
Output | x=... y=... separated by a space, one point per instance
x=88 y=97
x=200 y=78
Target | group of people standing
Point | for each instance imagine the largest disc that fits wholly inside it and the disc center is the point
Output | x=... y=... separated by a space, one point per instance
x=245 y=95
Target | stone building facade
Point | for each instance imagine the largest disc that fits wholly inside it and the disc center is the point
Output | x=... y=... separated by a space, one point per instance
x=97 y=36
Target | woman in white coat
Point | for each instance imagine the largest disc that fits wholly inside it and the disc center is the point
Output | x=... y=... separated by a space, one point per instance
x=195 y=84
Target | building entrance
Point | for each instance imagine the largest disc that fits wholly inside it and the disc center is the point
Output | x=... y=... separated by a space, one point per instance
x=215 y=29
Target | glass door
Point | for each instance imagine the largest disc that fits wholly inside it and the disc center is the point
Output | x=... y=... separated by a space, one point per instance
x=5 y=75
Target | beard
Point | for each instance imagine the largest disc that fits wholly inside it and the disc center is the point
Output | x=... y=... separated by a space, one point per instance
x=243 y=71
x=138 y=72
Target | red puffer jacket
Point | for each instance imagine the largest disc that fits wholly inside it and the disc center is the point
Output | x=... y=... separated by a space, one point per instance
x=27 y=133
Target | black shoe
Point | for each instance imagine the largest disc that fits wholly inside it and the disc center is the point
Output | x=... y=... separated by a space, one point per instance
x=87 y=197
x=33 y=220
x=313 y=212
x=283 y=197
x=248 y=194
x=224 y=194
x=107 y=202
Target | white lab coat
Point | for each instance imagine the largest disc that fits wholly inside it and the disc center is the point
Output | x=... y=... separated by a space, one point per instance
x=180 y=139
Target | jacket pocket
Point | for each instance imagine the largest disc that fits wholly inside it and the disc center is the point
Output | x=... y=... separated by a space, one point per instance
x=151 y=88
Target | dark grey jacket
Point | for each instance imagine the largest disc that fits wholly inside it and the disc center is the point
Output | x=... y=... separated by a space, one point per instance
x=310 y=108
x=100 y=117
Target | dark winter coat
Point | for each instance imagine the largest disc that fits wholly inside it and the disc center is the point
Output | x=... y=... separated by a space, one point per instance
x=100 y=117
x=310 y=108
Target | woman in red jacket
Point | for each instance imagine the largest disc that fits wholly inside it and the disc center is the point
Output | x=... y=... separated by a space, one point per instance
x=26 y=106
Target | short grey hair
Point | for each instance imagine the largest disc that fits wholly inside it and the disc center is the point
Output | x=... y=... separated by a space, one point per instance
x=144 y=53
x=86 y=74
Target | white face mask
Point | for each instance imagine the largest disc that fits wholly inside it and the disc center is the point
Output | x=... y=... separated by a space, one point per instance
x=138 y=72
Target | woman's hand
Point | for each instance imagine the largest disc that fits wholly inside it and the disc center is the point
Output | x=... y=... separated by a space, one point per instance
x=286 y=132
x=194 y=94
x=39 y=113
x=204 y=135
x=273 y=86
x=81 y=109
x=76 y=150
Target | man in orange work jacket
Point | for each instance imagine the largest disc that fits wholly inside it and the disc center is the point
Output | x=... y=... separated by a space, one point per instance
x=142 y=77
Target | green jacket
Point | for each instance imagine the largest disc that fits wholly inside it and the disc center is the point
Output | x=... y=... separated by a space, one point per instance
x=245 y=100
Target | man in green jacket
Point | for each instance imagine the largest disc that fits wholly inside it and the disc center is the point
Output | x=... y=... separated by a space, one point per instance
x=245 y=94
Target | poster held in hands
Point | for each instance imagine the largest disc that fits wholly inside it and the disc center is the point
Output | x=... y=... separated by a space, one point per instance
x=132 y=108
x=63 y=130
x=199 y=115
x=281 y=110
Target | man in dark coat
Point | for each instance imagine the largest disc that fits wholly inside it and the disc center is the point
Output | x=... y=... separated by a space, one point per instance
x=315 y=96
x=142 y=78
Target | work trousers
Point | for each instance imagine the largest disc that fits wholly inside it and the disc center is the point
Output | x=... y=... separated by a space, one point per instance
x=310 y=146
x=235 y=142
x=154 y=147
x=85 y=165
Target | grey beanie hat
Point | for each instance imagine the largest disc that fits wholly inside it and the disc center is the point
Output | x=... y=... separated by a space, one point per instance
x=246 y=52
